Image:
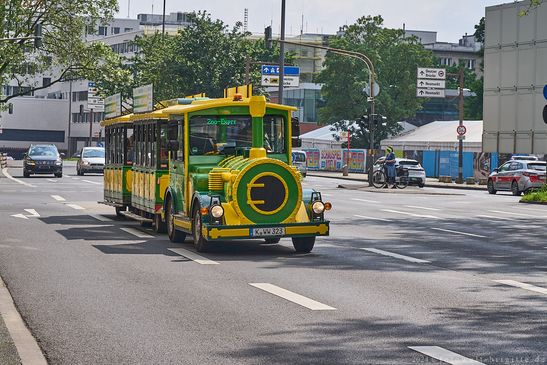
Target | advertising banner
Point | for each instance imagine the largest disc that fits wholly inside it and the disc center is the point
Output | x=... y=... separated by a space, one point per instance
x=113 y=106
x=331 y=160
x=143 y=100
x=313 y=158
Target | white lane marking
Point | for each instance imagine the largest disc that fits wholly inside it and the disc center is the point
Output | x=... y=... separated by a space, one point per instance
x=136 y=233
x=326 y=194
x=293 y=297
x=492 y=217
x=20 y=247
x=373 y=218
x=58 y=198
x=193 y=256
x=27 y=348
x=444 y=355
x=512 y=213
x=418 y=207
x=518 y=284
x=75 y=206
x=75 y=178
x=396 y=255
x=411 y=214
x=7 y=174
x=32 y=212
x=458 y=232
x=65 y=175
x=92 y=182
x=365 y=200
x=101 y=218
x=22 y=216
x=52 y=180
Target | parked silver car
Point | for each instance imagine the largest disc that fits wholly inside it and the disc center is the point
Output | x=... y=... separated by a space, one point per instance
x=517 y=176
x=91 y=160
x=299 y=160
x=416 y=172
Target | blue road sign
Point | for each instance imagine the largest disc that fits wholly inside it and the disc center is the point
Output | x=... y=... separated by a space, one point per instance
x=545 y=92
x=274 y=70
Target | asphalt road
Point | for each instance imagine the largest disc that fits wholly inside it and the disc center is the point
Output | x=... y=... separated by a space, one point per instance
x=406 y=277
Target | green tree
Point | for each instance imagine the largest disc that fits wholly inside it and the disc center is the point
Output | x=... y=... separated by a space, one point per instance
x=207 y=57
x=395 y=58
x=63 y=52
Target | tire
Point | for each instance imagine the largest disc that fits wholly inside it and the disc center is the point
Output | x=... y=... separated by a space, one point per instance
x=26 y=173
x=379 y=179
x=421 y=185
x=515 y=188
x=303 y=244
x=402 y=183
x=174 y=235
x=272 y=241
x=200 y=243
x=160 y=226
x=119 y=211
x=490 y=187
x=59 y=175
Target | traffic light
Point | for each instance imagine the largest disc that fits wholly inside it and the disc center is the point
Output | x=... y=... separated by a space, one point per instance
x=268 y=37
x=38 y=36
x=379 y=119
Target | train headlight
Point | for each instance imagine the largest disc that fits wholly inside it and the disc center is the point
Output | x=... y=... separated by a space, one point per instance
x=217 y=211
x=318 y=207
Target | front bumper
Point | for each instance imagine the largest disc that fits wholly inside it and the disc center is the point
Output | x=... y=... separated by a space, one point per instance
x=43 y=169
x=92 y=168
x=213 y=232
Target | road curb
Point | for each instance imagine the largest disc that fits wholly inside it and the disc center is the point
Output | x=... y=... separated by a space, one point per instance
x=534 y=203
x=434 y=185
x=27 y=348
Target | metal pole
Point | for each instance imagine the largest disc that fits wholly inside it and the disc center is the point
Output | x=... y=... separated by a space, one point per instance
x=247 y=69
x=163 y=20
x=69 y=151
x=282 y=54
x=90 y=127
x=460 y=144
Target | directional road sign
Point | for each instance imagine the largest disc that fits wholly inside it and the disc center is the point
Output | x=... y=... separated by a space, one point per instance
x=431 y=84
x=93 y=101
x=432 y=73
x=270 y=76
x=430 y=93
x=461 y=130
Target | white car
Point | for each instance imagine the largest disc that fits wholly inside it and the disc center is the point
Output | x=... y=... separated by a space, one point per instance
x=91 y=160
x=416 y=172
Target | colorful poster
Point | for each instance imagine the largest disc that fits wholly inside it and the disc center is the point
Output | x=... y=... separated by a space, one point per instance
x=331 y=160
x=356 y=160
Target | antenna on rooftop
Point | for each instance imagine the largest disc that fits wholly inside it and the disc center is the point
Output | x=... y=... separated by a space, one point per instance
x=245 y=19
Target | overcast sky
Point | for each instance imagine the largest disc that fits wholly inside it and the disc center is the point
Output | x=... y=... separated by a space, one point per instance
x=450 y=18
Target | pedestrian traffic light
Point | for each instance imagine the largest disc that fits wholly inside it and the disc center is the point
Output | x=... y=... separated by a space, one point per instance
x=268 y=37
x=38 y=36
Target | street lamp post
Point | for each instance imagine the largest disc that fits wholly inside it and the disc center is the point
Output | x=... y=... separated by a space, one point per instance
x=282 y=55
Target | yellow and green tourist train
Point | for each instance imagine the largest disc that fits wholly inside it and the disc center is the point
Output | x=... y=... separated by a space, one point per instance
x=216 y=169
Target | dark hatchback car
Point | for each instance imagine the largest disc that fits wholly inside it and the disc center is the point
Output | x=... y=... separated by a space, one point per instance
x=43 y=159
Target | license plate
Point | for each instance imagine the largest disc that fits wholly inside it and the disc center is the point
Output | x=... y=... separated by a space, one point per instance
x=267 y=231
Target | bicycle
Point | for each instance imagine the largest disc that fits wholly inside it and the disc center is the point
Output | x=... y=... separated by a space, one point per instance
x=379 y=178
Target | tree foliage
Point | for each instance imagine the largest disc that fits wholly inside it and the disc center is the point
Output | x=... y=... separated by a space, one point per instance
x=395 y=58
x=206 y=57
x=63 y=52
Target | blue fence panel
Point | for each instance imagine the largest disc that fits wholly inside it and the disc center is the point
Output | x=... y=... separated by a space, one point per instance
x=430 y=163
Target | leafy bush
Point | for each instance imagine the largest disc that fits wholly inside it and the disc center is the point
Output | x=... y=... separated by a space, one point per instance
x=539 y=195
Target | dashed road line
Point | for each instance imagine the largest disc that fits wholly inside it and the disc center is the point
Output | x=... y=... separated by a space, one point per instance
x=92 y=182
x=101 y=218
x=32 y=212
x=373 y=218
x=136 y=233
x=418 y=207
x=7 y=174
x=292 y=297
x=58 y=198
x=75 y=206
x=365 y=200
x=193 y=256
x=412 y=214
x=458 y=232
x=26 y=345
x=518 y=284
x=444 y=355
x=396 y=255
x=52 y=180
x=75 y=178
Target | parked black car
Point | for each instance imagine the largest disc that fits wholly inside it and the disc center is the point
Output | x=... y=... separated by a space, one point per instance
x=43 y=159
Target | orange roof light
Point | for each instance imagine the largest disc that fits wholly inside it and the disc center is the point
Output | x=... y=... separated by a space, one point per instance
x=238 y=97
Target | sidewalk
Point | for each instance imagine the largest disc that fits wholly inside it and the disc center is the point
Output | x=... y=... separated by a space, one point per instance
x=363 y=178
x=8 y=351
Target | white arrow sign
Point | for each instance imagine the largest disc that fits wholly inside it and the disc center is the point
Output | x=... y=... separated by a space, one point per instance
x=432 y=84
x=431 y=73
x=430 y=93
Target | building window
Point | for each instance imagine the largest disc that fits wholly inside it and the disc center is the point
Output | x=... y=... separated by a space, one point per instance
x=445 y=61
x=115 y=30
x=470 y=64
x=102 y=31
x=127 y=30
x=79 y=96
x=46 y=81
